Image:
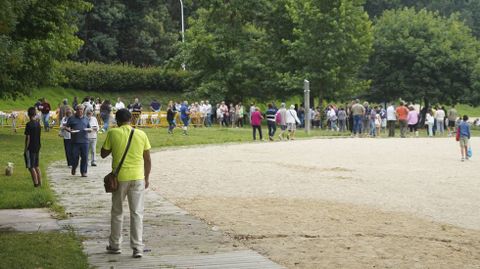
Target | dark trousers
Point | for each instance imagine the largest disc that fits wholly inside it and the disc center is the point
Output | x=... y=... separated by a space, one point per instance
x=255 y=127
x=171 y=125
x=80 y=151
x=357 y=124
x=67 y=144
x=391 y=128
x=272 y=128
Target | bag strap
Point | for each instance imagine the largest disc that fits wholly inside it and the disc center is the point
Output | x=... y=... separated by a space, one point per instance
x=117 y=170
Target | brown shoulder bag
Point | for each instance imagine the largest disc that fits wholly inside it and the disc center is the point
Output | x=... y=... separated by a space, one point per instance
x=110 y=181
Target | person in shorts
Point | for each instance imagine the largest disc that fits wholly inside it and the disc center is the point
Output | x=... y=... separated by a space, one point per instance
x=464 y=131
x=32 y=147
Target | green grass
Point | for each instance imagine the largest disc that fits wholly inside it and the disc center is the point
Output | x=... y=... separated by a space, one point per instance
x=472 y=112
x=41 y=250
x=55 y=96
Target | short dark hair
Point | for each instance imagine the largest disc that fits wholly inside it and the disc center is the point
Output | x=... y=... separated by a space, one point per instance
x=31 y=112
x=123 y=115
x=465 y=117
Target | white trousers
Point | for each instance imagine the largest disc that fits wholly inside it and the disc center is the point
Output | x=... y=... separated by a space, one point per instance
x=134 y=191
x=92 y=146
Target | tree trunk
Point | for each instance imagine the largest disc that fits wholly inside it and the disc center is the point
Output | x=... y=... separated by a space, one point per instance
x=423 y=112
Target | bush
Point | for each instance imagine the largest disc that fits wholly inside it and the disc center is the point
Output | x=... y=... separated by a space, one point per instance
x=120 y=77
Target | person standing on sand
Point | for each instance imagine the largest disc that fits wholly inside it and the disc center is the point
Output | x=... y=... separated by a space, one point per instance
x=464 y=137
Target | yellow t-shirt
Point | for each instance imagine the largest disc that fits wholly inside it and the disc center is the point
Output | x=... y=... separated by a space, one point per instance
x=116 y=141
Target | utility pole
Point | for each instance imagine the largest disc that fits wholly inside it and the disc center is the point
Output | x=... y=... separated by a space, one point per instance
x=306 y=91
x=183 y=30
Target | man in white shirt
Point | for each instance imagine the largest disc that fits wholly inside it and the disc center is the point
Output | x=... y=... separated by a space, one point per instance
x=208 y=114
x=119 y=105
x=391 y=120
x=440 y=120
x=92 y=136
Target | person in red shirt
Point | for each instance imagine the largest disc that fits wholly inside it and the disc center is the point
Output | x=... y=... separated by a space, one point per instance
x=257 y=123
x=402 y=115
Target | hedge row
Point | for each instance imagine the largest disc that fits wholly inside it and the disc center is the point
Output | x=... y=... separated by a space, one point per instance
x=120 y=77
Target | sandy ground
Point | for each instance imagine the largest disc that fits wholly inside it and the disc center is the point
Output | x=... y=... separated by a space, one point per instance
x=335 y=203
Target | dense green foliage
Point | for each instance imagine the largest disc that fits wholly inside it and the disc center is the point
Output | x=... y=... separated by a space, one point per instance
x=120 y=77
x=468 y=10
x=34 y=36
x=138 y=32
x=331 y=41
x=227 y=51
x=231 y=45
x=423 y=56
x=242 y=50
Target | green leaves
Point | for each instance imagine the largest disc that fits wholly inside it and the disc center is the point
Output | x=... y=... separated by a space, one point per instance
x=331 y=41
x=34 y=36
x=421 y=55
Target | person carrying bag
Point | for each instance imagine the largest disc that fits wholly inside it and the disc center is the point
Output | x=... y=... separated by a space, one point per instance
x=110 y=182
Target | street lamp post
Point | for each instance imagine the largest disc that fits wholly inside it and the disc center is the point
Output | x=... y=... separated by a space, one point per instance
x=183 y=30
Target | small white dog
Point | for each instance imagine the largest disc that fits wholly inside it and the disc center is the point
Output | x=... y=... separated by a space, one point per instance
x=9 y=169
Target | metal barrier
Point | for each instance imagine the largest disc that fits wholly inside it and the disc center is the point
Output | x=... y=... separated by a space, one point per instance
x=144 y=119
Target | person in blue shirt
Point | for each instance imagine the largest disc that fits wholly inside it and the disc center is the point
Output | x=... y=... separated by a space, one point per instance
x=185 y=116
x=464 y=132
x=79 y=125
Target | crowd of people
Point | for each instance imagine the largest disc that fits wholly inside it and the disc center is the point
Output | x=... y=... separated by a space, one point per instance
x=81 y=122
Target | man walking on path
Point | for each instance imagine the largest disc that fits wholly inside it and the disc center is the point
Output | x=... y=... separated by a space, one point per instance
x=133 y=180
x=391 y=120
x=402 y=115
x=78 y=126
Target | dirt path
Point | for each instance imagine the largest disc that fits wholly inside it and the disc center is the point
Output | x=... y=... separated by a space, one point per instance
x=329 y=203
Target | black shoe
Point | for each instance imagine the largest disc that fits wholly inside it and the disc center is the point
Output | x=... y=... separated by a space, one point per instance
x=111 y=250
x=137 y=254
x=94 y=164
x=73 y=172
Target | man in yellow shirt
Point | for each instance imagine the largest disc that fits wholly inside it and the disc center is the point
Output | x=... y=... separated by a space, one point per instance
x=133 y=179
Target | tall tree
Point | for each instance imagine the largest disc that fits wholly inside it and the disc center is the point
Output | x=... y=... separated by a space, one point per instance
x=331 y=41
x=140 y=32
x=226 y=50
x=423 y=56
x=34 y=35
x=469 y=11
